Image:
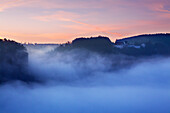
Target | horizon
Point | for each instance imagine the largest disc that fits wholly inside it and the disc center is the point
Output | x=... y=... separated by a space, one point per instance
x=113 y=41
x=84 y=56
x=59 y=21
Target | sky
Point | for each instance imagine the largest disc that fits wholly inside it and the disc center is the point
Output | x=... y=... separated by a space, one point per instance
x=59 y=21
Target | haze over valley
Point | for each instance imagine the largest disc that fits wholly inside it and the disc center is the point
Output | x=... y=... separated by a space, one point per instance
x=86 y=75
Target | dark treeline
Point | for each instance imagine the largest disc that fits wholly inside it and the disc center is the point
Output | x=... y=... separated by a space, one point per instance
x=122 y=53
x=142 y=45
x=13 y=61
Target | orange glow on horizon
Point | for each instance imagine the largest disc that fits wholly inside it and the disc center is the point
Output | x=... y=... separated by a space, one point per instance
x=59 y=21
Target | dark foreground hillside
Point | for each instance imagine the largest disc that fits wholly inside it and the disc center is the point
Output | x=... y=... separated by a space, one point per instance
x=13 y=61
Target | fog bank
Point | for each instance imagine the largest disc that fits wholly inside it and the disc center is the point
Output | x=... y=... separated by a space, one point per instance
x=83 y=82
x=87 y=68
x=64 y=99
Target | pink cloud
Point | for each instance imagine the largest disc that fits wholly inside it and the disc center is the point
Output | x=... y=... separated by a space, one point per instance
x=7 y=4
x=72 y=17
x=115 y=18
x=58 y=15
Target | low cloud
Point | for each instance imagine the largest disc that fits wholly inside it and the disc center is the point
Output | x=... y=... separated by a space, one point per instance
x=74 y=65
x=79 y=81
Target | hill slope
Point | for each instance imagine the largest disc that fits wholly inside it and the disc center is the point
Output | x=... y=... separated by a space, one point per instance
x=142 y=45
x=13 y=61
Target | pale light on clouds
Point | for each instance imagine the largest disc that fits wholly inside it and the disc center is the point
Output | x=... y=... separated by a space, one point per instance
x=74 y=18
